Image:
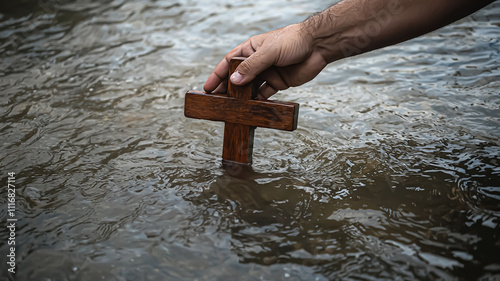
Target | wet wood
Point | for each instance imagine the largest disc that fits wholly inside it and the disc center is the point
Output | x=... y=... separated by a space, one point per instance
x=267 y=114
x=238 y=138
x=241 y=114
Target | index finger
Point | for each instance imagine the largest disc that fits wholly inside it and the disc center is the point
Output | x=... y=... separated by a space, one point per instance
x=221 y=71
x=217 y=76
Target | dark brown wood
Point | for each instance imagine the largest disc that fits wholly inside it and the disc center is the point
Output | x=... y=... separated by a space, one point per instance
x=238 y=143
x=238 y=138
x=266 y=114
x=241 y=114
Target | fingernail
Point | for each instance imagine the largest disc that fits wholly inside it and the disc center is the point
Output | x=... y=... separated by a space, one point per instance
x=236 y=77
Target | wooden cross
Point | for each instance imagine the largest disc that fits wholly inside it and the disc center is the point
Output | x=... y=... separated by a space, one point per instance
x=241 y=114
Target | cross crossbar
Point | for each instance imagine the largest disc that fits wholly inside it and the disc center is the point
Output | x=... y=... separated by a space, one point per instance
x=267 y=114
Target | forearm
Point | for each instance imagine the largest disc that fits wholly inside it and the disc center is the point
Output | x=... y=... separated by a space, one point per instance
x=353 y=27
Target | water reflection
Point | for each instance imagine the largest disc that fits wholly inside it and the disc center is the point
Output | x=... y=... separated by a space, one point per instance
x=376 y=226
x=392 y=174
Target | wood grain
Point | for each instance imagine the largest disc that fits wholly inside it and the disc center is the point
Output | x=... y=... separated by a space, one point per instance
x=266 y=114
x=241 y=114
x=238 y=138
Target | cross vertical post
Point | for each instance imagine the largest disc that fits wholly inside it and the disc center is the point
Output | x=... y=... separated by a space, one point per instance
x=238 y=138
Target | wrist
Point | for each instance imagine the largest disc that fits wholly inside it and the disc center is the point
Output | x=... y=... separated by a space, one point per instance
x=328 y=32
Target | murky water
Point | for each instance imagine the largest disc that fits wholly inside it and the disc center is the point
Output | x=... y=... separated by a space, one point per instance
x=393 y=173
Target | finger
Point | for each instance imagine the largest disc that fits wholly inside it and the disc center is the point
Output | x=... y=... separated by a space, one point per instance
x=266 y=91
x=252 y=66
x=276 y=77
x=222 y=88
x=213 y=82
x=281 y=78
x=221 y=71
x=217 y=76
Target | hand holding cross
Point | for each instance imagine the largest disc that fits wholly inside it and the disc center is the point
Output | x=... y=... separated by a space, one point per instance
x=241 y=114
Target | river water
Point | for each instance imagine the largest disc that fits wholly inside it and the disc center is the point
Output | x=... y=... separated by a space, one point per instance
x=392 y=174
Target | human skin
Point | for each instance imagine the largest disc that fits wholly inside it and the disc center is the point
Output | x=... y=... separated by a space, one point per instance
x=295 y=54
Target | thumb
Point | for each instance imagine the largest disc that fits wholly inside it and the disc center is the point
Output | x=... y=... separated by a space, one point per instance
x=251 y=67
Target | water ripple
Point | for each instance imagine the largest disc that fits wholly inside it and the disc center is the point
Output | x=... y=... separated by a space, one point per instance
x=392 y=174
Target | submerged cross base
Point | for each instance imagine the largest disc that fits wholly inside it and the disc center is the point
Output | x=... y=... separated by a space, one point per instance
x=241 y=114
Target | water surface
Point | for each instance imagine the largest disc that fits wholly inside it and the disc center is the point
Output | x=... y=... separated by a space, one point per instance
x=393 y=173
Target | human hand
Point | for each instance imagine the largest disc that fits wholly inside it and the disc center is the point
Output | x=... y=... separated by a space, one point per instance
x=279 y=59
